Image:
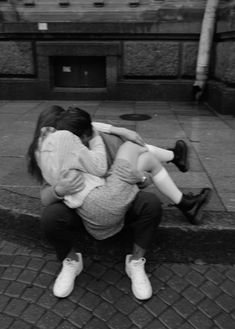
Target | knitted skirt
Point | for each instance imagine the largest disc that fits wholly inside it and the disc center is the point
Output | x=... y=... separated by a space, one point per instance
x=104 y=208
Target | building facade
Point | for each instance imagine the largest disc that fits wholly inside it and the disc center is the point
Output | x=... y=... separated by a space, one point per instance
x=135 y=50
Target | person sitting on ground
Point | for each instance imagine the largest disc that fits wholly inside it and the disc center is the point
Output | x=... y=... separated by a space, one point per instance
x=62 y=225
x=124 y=177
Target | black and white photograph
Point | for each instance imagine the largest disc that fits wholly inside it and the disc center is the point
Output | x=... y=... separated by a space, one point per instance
x=117 y=164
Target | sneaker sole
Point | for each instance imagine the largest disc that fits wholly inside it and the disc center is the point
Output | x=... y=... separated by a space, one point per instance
x=66 y=294
x=198 y=218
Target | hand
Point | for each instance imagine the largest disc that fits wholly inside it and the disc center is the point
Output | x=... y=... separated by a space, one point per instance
x=70 y=182
x=133 y=136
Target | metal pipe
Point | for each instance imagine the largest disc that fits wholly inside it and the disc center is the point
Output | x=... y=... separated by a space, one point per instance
x=204 y=51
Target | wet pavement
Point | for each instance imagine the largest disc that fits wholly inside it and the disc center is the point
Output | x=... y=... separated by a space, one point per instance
x=194 y=294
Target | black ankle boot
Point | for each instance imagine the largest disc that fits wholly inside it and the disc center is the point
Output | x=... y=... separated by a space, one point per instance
x=192 y=205
x=180 y=155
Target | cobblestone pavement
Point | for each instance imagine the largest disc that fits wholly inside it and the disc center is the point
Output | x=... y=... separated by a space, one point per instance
x=186 y=296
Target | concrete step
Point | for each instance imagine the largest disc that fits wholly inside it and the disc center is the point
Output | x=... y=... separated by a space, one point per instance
x=176 y=240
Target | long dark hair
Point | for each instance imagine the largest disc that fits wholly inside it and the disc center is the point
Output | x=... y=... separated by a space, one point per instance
x=48 y=118
x=77 y=121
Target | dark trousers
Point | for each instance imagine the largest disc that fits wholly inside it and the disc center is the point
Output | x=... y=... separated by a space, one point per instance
x=61 y=225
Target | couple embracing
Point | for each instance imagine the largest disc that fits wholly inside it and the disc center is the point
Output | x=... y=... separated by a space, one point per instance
x=91 y=174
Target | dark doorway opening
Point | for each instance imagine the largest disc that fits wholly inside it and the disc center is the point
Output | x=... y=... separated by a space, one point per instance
x=79 y=71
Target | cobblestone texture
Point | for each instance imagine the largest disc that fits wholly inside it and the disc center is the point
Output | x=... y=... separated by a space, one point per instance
x=186 y=296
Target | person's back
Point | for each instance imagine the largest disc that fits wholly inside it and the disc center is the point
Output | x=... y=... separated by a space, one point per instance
x=61 y=150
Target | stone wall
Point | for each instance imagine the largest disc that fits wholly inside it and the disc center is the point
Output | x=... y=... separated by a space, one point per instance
x=225 y=62
x=151 y=58
x=189 y=59
x=168 y=59
x=16 y=58
x=138 y=59
x=221 y=85
x=157 y=44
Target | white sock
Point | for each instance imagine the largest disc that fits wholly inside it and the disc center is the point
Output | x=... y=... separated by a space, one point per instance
x=166 y=185
x=162 y=155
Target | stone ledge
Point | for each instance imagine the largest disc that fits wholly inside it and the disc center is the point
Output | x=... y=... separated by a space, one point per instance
x=176 y=240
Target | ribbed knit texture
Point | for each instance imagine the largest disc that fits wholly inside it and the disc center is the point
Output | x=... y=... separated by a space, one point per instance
x=62 y=150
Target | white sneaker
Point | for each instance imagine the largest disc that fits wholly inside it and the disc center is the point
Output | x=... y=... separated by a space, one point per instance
x=64 y=282
x=141 y=286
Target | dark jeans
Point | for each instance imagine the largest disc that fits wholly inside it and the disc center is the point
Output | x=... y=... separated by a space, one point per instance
x=61 y=225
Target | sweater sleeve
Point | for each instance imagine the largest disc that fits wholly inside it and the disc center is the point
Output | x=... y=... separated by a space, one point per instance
x=93 y=160
x=102 y=127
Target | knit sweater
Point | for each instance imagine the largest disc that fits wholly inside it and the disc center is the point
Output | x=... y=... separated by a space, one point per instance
x=62 y=150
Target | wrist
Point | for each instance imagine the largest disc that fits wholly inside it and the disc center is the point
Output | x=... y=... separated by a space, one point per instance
x=117 y=131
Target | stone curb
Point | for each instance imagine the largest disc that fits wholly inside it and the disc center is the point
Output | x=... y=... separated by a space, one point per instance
x=176 y=240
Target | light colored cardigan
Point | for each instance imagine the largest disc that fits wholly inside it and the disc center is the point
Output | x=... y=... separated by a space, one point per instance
x=62 y=150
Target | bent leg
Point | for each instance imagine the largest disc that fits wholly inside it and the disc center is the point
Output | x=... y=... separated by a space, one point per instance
x=191 y=205
x=161 y=154
x=130 y=151
x=143 y=217
x=142 y=160
x=160 y=177
x=177 y=155
x=60 y=225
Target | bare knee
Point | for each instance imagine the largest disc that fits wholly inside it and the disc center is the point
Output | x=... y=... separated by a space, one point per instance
x=148 y=162
x=130 y=152
x=131 y=148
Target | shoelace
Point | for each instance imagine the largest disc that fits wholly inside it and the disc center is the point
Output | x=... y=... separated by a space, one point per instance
x=69 y=263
